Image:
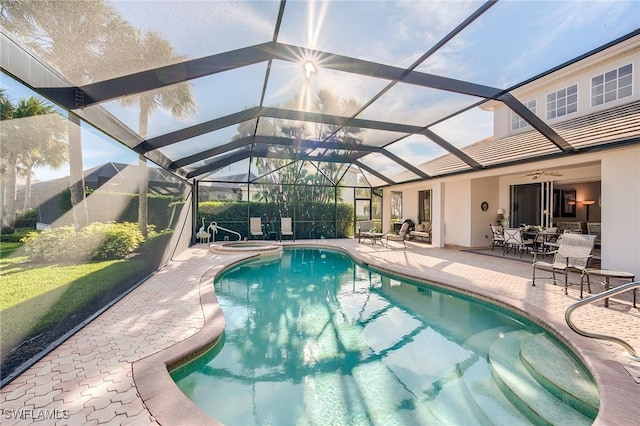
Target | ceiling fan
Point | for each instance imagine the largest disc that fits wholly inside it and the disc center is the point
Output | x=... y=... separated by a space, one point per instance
x=538 y=173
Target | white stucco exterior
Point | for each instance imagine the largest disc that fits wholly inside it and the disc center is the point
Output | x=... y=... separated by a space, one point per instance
x=579 y=73
x=456 y=202
x=610 y=176
x=621 y=210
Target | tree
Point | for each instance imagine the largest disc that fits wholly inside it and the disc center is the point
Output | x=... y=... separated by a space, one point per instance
x=6 y=112
x=28 y=127
x=53 y=153
x=75 y=50
x=310 y=183
x=144 y=52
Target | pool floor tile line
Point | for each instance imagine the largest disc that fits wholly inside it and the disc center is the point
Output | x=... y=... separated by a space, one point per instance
x=89 y=379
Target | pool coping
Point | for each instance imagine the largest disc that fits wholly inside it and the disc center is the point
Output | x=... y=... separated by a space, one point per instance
x=169 y=405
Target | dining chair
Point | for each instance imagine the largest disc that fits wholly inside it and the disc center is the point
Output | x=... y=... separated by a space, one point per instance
x=513 y=241
x=498 y=236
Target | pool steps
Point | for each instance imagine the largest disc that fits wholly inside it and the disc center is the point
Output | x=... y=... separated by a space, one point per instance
x=517 y=383
x=488 y=397
x=564 y=377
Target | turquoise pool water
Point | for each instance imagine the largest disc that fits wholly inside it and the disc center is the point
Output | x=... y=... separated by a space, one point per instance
x=314 y=338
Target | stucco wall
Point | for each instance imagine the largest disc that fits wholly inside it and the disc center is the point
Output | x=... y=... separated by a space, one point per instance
x=457 y=212
x=456 y=201
x=621 y=211
x=483 y=190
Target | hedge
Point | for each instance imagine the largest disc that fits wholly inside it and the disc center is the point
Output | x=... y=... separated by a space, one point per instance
x=103 y=205
x=234 y=215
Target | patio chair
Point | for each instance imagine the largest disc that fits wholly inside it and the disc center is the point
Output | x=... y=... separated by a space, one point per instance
x=513 y=241
x=286 y=228
x=363 y=226
x=498 y=236
x=255 y=227
x=573 y=254
x=399 y=236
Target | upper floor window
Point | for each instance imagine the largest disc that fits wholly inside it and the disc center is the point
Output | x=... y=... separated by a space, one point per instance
x=612 y=85
x=562 y=102
x=518 y=122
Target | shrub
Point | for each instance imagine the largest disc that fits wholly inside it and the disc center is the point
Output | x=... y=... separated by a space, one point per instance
x=110 y=240
x=51 y=244
x=17 y=236
x=27 y=218
x=96 y=241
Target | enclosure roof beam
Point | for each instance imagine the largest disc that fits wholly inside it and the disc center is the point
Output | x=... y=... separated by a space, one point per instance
x=203 y=155
x=535 y=122
x=405 y=164
x=374 y=172
x=200 y=129
x=217 y=165
x=157 y=78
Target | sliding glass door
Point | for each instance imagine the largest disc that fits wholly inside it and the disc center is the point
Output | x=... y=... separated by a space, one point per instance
x=531 y=204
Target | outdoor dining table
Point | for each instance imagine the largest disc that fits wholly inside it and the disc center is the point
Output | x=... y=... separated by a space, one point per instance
x=542 y=239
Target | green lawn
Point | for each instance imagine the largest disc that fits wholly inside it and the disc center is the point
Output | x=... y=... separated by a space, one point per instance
x=33 y=296
x=6 y=248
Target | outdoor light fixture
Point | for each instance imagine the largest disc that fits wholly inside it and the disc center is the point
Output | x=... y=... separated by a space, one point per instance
x=309 y=68
x=588 y=203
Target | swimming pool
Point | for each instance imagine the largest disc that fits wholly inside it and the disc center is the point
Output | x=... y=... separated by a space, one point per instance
x=318 y=339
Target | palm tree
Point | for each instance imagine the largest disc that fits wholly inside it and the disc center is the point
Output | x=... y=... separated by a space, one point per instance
x=75 y=50
x=6 y=112
x=144 y=52
x=28 y=126
x=53 y=153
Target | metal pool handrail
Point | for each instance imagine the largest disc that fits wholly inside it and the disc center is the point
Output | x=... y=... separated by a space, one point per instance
x=213 y=226
x=620 y=289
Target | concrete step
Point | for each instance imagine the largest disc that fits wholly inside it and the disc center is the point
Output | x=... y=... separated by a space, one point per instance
x=480 y=342
x=563 y=376
x=487 y=396
x=523 y=390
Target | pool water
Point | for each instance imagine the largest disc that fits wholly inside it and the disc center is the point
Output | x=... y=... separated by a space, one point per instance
x=314 y=338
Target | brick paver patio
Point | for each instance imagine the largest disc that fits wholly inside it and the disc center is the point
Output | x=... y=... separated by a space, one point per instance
x=109 y=373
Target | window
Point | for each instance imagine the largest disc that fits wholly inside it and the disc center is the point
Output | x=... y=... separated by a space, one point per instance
x=612 y=85
x=562 y=102
x=517 y=122
x=424 y=206
x=396 y=205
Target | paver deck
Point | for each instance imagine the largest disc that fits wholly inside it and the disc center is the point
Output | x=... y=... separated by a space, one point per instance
x=113 y=370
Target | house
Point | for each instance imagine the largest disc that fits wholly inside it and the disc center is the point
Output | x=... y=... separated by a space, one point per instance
x=594 y=105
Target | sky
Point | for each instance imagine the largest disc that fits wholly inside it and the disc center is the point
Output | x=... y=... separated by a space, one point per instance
x=511 y=42
x=97 y=147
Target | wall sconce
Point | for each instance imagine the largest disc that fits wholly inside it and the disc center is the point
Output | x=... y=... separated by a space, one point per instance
x=588 y=203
